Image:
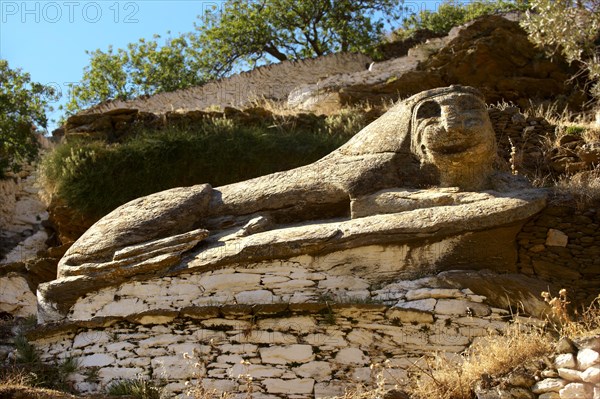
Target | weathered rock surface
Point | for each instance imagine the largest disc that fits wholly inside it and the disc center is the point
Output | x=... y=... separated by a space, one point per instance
x=140 y=221
x=16 y=297
x=492 y=53
x=21 y=215
x=336 y=202
x=415 y=144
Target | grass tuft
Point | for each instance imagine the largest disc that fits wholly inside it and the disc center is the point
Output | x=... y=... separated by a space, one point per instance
x=137 y=388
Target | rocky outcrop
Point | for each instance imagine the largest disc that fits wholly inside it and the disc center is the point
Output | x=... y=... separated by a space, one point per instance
x=492 y=53
x=21 y=216
x=306 y=277
x=16 y=297
x=419 y=241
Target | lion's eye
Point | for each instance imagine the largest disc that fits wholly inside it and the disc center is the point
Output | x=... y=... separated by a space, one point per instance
x=429 y=109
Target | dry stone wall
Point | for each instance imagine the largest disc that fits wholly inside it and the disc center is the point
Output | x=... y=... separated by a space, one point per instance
x=562 y=245
x=574 y=372
x=290 y=348
x=268 y=82
x=287 y=283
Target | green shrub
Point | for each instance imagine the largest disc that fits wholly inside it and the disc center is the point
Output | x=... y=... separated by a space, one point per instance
x=95 y=177
x=451 y=13
x=26 y=352
x=569 y=28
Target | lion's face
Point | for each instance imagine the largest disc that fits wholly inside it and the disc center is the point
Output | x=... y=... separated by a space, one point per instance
x=453 y=132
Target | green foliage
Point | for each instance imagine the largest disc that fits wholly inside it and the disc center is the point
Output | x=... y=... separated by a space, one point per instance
x=451 y=13
x=575 y=130
x=569 y=28
x=22 y=107
x=94 y=177
x=247 y=32
x=241 y=35
x=38 y=374
x=26 y=352
x=138 y=388
x=144 y=68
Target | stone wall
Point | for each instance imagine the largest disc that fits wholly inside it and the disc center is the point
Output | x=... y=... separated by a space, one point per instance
x=22 y=239
x=268 y=82
x=289 y=345
x=575 y=371
x=562 y=245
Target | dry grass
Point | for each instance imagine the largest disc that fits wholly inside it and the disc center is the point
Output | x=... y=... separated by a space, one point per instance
x=585 y=322
x=490 y=357
x=15 y=383
x=583 y=187
x=579 y=323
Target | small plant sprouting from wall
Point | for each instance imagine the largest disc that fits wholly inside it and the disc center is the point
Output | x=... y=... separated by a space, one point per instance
x=137 y=388
x=26 y=352
x=39 y=374
x=577 y=322
x=558 y=305
x=195 y=387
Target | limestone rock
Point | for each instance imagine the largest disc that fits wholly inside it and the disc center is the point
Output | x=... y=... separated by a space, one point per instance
x=311 y=214
x=576 y=390
x=570 y=374
x=461 y=307
x=255 y=371
x=425 y=305
x=437 y=293
x=549 y=395
x=351 y=356
x=502 y=290
x=295 y=386
x=591 y=374
x=587 y=358
x=409 y=315
x=513 y=70
x=287 y=354
x=548 y=385
x=97 y=360
x=556 y=238
x=173 y=367
x=16 y=297
x=138 y=222
x=319 y=371
x=565 y=360
x=565 y=346
x=255 y=297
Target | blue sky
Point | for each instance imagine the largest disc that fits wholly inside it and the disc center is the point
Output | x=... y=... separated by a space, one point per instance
x=48 y=39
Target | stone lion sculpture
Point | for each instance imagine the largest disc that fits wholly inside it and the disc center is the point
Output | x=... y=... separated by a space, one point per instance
x=438 y=138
